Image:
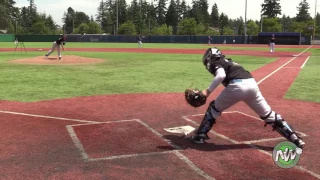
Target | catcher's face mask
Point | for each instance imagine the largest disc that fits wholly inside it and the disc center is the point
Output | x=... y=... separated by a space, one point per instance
x=212 y=54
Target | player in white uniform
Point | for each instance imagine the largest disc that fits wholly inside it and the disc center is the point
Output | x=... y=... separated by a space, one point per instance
x=239 y=86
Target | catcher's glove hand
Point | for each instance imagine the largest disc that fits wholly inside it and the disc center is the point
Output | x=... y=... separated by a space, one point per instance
x=195 y=98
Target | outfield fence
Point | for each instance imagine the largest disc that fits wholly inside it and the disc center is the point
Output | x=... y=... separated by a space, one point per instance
x=281 y=38
x=7 y=37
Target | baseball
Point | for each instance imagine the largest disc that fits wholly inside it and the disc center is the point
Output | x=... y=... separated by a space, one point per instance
x=299 y=150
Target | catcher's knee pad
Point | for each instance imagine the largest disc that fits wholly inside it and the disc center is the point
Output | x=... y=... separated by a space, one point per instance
x=209 y=119
x=281 y=126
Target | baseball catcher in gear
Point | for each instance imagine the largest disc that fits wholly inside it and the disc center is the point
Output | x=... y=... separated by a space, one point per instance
x=240 y=86
x=194 y=97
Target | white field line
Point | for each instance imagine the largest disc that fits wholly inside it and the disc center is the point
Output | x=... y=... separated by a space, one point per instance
x=251 y=145
x=180 y=155
x=48 y=117
x=118 y=121
x=283 y=66
x=77 y=143
x=193 y=166
x=86 y=158
x=128 y=156
x=260 y=140
x=305 y=62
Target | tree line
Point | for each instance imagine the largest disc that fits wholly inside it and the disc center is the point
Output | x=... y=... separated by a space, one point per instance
x=159 y=17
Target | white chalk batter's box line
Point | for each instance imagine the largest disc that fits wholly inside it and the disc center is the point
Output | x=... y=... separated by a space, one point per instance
x=84 y=154
x=177 y=150
x=242 y=142
x=86 y=157
x=249 y=143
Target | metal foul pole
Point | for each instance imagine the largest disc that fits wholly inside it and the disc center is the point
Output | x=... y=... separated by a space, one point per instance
x=117 y=15
x=314 y=21
x=245 y=24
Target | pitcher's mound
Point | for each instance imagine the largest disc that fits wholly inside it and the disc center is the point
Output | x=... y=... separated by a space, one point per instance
x=54 y=60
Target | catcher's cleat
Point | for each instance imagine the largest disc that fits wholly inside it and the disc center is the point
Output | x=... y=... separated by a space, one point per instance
x=282 y=127
x=299 y=143
x=199 y=138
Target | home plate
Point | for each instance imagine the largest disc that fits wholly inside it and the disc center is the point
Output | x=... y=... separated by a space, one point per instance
x=180 y=130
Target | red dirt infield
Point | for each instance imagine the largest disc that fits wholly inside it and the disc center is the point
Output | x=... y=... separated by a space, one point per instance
x=102 y=140
x=167 y=51
x=248 y=128
x=36 y=141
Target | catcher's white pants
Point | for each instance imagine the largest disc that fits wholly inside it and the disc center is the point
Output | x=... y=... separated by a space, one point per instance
x=245 y=90
x=54 y=46
x=272 y=47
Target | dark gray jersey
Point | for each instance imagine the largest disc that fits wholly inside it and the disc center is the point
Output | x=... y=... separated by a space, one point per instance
x=232 y=69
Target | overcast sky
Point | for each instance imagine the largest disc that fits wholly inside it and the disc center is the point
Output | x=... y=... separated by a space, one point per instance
x=233 y=8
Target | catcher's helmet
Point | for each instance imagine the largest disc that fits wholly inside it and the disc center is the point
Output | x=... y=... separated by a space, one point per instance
x=211 y=54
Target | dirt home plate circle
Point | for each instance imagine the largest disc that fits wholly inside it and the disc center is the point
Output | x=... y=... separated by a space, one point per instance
x=286 y=154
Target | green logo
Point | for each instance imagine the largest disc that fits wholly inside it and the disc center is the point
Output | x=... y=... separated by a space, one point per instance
x=286 y=154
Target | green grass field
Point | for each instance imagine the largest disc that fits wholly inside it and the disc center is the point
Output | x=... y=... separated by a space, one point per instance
x=145 y=45
x=306 y=86
x=129 y=73
x=121 y=73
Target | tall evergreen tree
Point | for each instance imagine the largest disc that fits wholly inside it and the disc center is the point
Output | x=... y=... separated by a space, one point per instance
x=286 y=22
x=204 y=6
x=101 y=11
x=123 y=13
x=134 y=11
x=49 y=22
x=303 y=11
x=101 y=16
x=7 y=13
x=24 y=19
x=144 y=21
x=178 y=9
x=172 y=16
x=161 y=11
x=152 y=17
x=80 y=17
x=32 y=10
x=184 y=10
x=238 y=26
x=199 y=11
x=224 y=22
x=317 y=24
x=271 y=8
x=111 y=16
x=214 y=16
x=68 y=20
x=195 y=11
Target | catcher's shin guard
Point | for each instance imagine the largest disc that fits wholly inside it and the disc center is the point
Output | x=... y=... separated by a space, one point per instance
x=208 y=121
x=282 y=127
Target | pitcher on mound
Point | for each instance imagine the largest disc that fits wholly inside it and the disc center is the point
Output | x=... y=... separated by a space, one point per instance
x=56 y=44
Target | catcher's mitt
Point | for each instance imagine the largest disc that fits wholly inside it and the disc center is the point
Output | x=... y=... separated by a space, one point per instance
x=195 y=98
